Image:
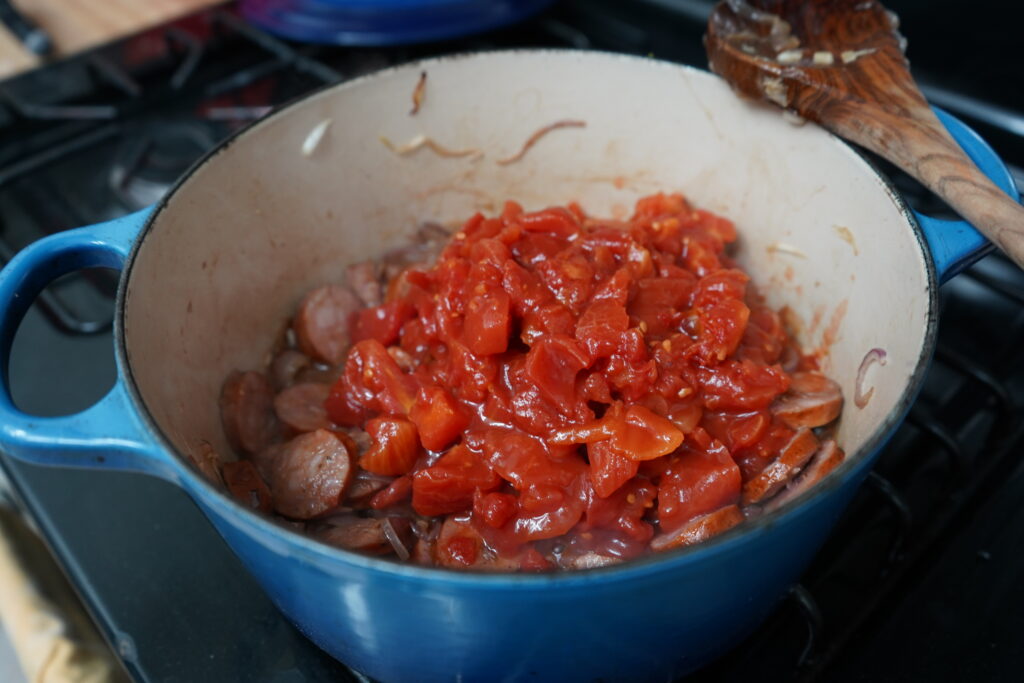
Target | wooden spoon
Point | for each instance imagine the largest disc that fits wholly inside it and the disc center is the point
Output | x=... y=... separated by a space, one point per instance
x=840 y=63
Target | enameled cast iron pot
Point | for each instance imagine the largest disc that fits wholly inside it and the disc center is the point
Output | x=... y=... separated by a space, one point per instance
x=211 y=272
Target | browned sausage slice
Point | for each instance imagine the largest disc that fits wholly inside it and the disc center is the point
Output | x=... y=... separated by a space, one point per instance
x=828 y=457
x=793 y=456
x=301 y=407
x=264 y=460
x=247 y=412
x=364 y=485
x=246 y=485
x=323 y=321
x=310 y=475
x=813 y=400
x=363 y=534
x=699 y=529
x=285 y=368
x=364 y=279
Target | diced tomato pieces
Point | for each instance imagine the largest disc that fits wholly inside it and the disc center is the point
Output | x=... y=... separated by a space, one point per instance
x=394 y=448
x=555 y=221
x=601 y=326
x=552 y=364
x=609 y=469
x=557 y=387
x=372 y=381
x=494 y=508
x=697 y=481
x=644 y=435
x=383 y=323
x=737 y=430
x=660 y=302
x=448 y=486
x=533 y=561
x=463 y=550
x=742 y=385
x=487 y=323
x=438 y=417
x=393 y=493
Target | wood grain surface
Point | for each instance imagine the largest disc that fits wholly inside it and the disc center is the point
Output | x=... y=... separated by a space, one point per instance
x=841 y=64
x=75 y=25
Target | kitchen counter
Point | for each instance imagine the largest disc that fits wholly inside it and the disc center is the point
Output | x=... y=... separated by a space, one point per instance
x=75 y=25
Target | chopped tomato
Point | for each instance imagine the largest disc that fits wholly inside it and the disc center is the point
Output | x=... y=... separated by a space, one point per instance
x=609 y=469
x=393 y=493
x=438 y=417
x=448 y=486
x=552 y=364
x=556 y=387
x=494 y=508
x=697 y=481
x=644 y=435
x=487 y=323
x=383 y=323
x=395 y=447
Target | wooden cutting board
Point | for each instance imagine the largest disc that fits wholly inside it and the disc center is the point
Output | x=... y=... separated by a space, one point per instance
x=75 y=25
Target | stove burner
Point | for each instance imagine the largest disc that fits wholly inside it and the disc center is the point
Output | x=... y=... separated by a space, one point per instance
x=150 y=160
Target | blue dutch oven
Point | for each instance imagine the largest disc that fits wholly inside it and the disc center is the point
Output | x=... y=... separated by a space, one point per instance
x=210 y=273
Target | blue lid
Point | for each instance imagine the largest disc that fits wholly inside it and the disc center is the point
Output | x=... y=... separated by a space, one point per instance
x=384 y=22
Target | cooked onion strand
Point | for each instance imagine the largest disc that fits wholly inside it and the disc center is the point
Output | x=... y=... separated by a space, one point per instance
x=424 y=141
x=532 y=140
x=861 y=397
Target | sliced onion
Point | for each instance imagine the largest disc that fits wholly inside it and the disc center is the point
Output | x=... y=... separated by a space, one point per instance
x=860 y=396
x=394 y=540
x=537 y=135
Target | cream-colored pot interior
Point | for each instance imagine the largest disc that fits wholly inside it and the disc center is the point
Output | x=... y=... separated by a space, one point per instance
x=273 y=214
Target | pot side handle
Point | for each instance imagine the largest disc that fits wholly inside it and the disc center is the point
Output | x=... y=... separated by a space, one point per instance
x=954 y=244
x=109 y=433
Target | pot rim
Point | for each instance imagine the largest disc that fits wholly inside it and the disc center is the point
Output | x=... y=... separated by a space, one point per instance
x=651 y=563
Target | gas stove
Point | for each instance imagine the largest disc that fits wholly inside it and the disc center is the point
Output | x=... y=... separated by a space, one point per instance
x=920 y=580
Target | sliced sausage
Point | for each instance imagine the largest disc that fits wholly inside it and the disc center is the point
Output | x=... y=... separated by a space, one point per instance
x=246 y=485
x=208 y=462
x=364 y=279
x=357 y=440
x=318 y=373
x=699 y=529
x=792 y=457
x=813 y=400
x=310 y=475
x=363 y=534
x=827 y=458
x=323 y=321
x=247 y=412
x=364 y=485
x=264 y=460
x=285 y=368
x=301 y=407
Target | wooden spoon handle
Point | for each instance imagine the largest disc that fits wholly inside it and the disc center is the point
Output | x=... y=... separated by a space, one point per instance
x=921 y=146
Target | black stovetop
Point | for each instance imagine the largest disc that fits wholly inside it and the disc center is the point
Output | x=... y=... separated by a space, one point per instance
x=920 y=581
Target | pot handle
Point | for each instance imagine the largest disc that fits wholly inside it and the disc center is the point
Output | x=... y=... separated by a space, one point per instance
x=954 y=244
x=108 y=434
